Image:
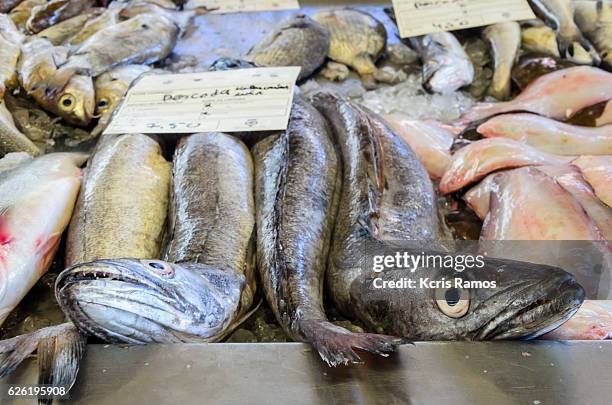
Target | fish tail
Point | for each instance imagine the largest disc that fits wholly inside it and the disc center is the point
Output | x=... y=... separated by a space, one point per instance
x=59 y=351
x=336 y=345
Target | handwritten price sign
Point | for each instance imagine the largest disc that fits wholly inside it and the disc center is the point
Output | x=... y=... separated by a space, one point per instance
x=256 y=99
x=418 y=17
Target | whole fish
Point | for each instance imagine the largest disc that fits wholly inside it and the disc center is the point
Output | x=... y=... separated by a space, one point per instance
x=55 y=11
x=446 y=66
x=474 y=161
x=505 y=41
x=21 y=12
x=593 y=321
x=8 y=5
x=597 y=171
x=530 y=205
x=297 y=41
x=568 y=177
x=108 y=223
x=549 y=135
x=572 y=44
x=144 y=39
x=387 y=196
x=37 y=199
x=210 y=286
x=73 y=101
x=428 y=139
x=539 y=38
x=61 y=32
x=11 y=139
x=110 y=87
x=594 y=18
x=357 y=40
x=297 y=187
x=557 y=95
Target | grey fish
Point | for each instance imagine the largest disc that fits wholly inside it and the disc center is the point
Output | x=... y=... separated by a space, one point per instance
x=594 y=18
x=505 y=41
x=109 y=222
x=210 y=286
x=11 y=139
x=387 y=198
x=446 y=66
x=182 y=18
x=297 y=186
x=297 y=41
x=559 y=14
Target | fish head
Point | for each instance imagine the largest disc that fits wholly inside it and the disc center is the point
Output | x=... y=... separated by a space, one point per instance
x=75 y=103
x=140 y=301
x=526 y=301
x=108 y=97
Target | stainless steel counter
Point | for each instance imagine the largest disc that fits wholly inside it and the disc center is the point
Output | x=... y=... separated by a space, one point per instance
x=290 y=373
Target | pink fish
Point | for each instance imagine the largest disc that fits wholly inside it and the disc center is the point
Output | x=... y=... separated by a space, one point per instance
x=473 y=162
x=530 y=205
x=597 y=170
x=592 y=321
x=559 y=95
x=36 y=202
x=430 y=140
x=549 y=135
x=566 y=176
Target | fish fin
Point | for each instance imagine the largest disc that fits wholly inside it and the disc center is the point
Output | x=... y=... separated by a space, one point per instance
x=336 y=345
x=59 y=349
x=59 y=355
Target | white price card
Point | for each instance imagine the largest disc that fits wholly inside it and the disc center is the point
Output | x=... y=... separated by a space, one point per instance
x=243 y=6
x=257 y=99
x=418 y=17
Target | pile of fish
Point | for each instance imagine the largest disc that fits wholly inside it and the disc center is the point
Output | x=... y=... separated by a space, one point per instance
x=181 y=239
x=77 y=60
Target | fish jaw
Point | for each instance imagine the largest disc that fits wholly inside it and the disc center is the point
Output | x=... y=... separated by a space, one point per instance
x=141 y=301
x=30 y=233
x=557 y=298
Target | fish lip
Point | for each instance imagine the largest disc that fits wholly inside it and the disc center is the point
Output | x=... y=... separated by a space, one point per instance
x=569 y=296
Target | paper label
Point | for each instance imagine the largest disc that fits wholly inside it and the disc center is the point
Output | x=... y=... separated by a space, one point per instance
x=243 y=6
x=418 y=17
x=257 y=99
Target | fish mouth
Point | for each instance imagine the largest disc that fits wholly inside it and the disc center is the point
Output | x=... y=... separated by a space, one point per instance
x=549 y=304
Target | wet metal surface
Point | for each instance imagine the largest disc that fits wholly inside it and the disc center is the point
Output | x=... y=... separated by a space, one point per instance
x=290 y=373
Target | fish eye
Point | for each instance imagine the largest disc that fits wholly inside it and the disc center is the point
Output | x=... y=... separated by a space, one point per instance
x=67 y=102
x=159 y=267
x=453 y=302
x=103 y=103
